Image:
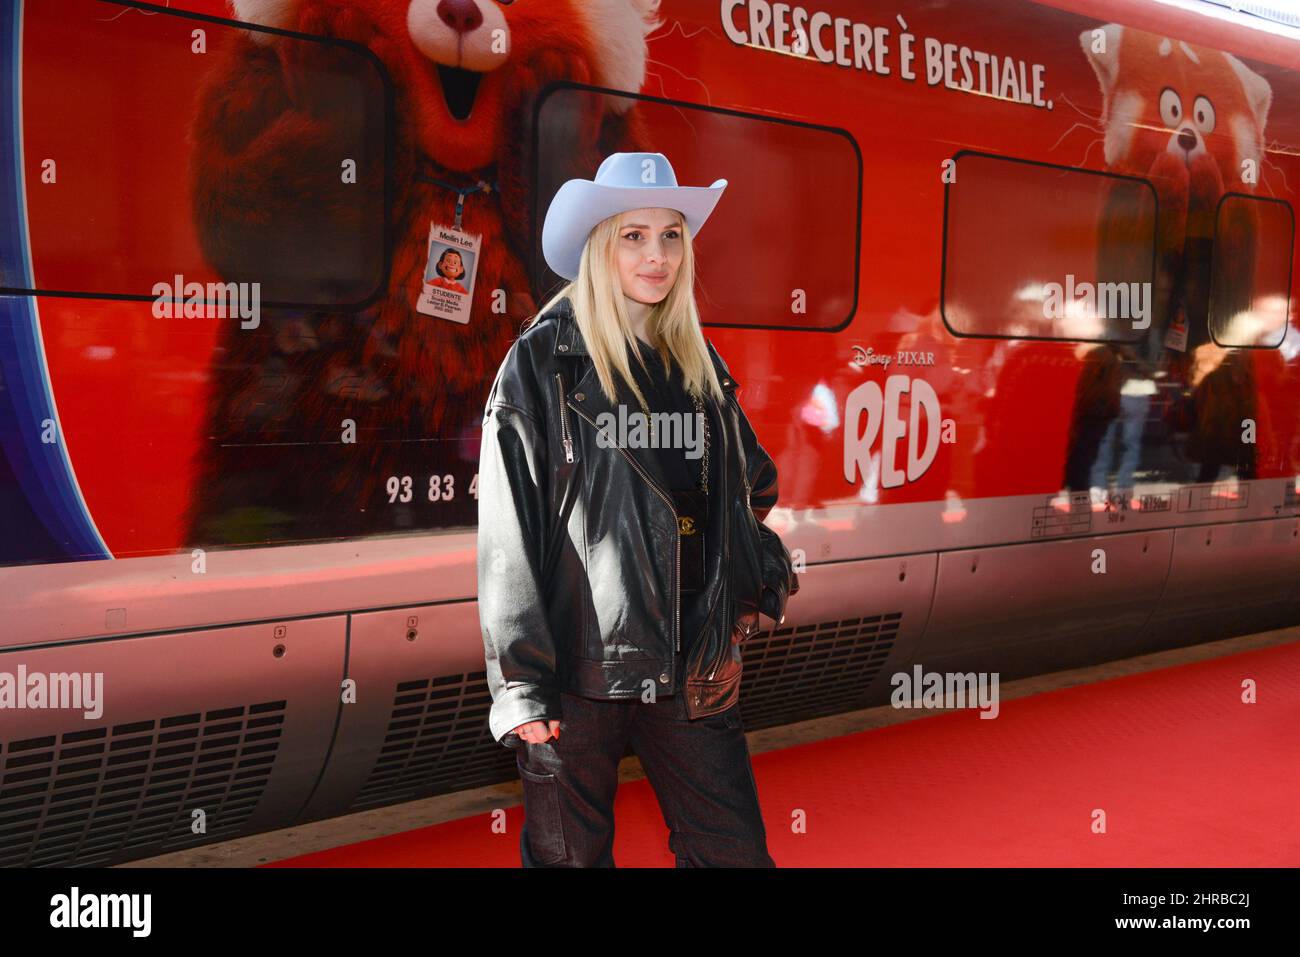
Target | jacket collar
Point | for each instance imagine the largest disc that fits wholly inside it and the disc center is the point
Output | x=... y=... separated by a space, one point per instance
x=586 y=397
x=569 y=342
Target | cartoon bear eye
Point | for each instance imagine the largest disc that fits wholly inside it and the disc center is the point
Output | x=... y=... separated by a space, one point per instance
x=1203 y=114
x=1171 y=108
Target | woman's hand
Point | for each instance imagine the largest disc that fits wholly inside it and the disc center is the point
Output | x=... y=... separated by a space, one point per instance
x=538 y=732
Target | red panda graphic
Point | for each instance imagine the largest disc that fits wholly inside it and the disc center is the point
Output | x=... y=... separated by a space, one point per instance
x=1190 y=120
x=276 y=116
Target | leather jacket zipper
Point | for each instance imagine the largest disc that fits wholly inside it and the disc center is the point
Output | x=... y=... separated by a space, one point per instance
x=677 y=581
x=564 y=419
x=726 y=528
x=724 y=586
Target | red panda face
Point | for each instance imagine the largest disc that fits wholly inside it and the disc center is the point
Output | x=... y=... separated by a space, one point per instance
x=461 y=67
x=1165 y=96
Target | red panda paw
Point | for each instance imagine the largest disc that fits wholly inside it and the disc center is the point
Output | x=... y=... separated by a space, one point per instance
x=337 y=19
x=548 y=66
x=1206 y=181
x=522 y=303
x=1171 y=170
x=312 y=68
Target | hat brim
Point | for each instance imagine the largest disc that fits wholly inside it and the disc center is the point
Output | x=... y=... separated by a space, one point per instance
x=580 y=204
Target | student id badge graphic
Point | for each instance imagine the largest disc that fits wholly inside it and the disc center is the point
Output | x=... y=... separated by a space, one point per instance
x=1176 y=334
x=449 y=273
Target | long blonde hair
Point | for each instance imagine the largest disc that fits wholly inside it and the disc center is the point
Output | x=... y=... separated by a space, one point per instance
x=673 y=325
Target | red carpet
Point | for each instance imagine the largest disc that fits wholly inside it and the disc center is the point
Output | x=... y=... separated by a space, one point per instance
x=1187 y=774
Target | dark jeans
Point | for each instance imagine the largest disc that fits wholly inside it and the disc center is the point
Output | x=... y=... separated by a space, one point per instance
x=700 y=772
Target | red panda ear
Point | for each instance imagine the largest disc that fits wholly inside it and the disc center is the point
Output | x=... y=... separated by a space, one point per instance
x=1258 y=92
x=620 y=28
x=265 y=13
x=1101 y=47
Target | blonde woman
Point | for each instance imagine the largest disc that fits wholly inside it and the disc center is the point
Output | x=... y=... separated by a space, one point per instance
x=622 y=556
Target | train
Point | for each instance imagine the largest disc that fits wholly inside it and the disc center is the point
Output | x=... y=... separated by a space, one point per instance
x=1007 y=285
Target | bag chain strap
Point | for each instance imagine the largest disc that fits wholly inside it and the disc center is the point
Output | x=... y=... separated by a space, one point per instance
x=699 y=409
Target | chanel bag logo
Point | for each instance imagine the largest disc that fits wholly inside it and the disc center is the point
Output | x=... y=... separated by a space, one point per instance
x=692 y=515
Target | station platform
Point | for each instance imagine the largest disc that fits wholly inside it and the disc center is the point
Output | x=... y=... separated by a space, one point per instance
x=1183 y=771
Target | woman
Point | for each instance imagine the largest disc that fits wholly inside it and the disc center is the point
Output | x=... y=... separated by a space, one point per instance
x=616 y=579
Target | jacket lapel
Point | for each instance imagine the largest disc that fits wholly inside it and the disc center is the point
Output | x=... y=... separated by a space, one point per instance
x=586 y=396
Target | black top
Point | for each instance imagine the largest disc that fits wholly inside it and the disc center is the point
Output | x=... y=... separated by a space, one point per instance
x=666 y=392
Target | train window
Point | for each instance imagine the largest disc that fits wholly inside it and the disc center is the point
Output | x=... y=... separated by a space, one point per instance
x=781 y=248
x=1250 y=283
x=147 y=165
x=1037 y=251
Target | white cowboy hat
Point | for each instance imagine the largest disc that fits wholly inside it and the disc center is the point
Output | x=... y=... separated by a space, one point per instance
x=624 y=181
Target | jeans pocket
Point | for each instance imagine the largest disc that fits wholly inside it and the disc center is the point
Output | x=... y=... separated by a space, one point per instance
x=542 y=818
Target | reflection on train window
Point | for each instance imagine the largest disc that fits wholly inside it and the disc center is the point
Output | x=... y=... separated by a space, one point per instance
x=1046 y=252
x=165 y=175
x=781 y=248
x=1251 y=272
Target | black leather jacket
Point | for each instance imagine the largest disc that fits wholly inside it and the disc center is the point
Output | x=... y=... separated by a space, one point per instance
x=578 y=560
